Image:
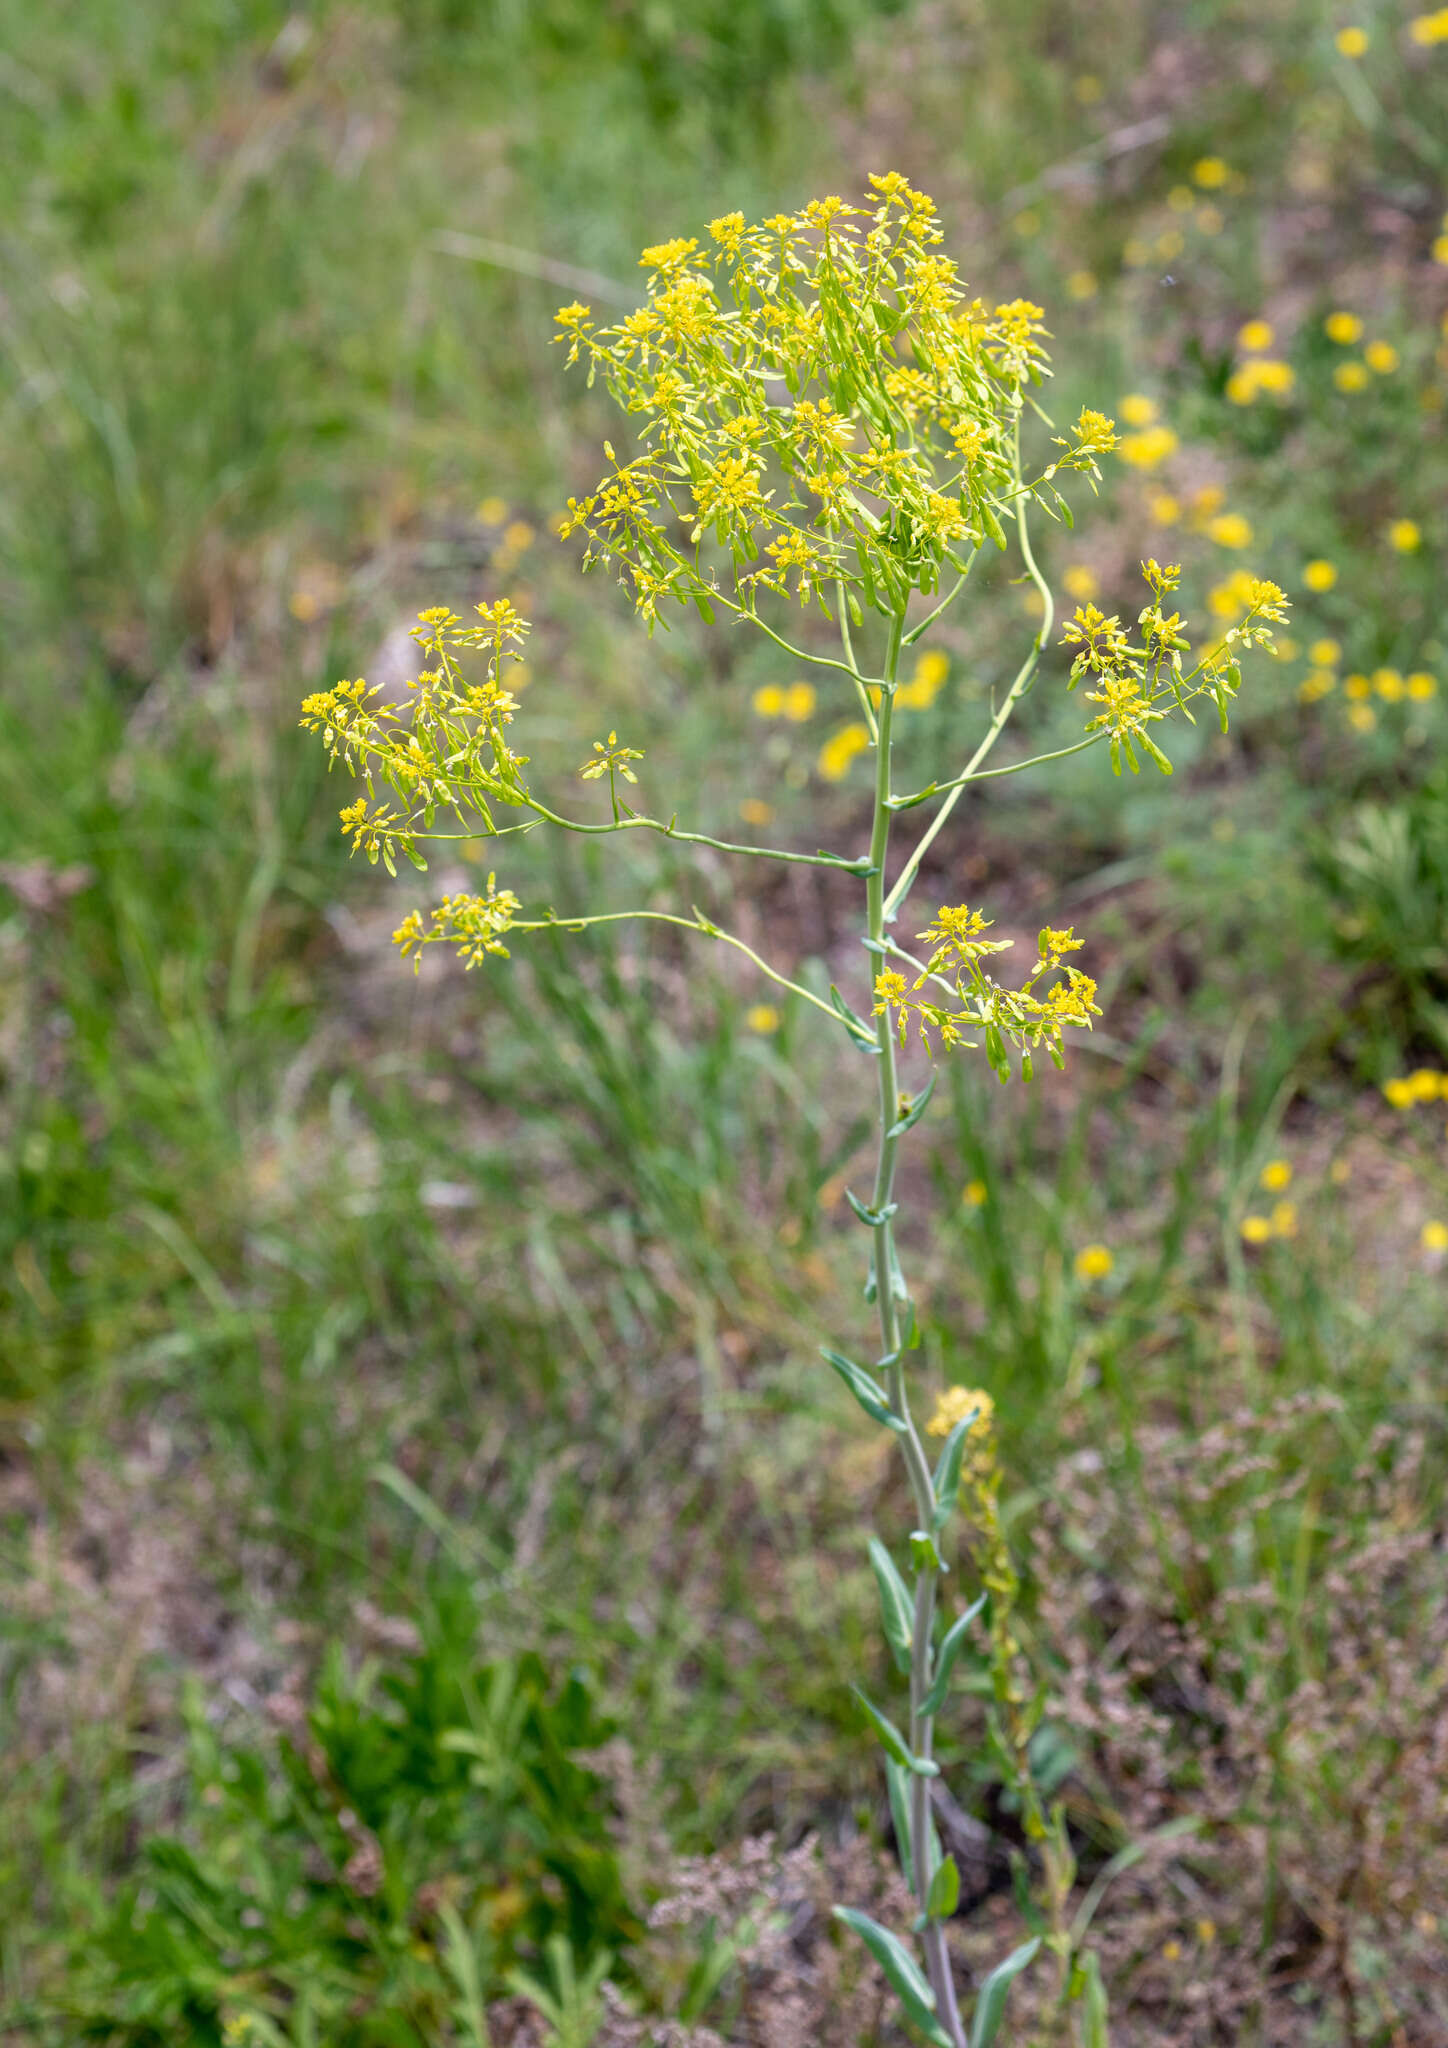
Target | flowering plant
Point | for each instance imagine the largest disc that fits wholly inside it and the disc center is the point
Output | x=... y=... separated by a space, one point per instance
x=824 y=419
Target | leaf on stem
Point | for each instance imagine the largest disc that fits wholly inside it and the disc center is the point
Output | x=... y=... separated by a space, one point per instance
x=894 y=1742
x=944 y=1893
x=895 y=1604
x=906 y=1977
x=867 y=1391
x=909 y=1118
x=950 y=1649
x=947 y=1472
x=990 y=2006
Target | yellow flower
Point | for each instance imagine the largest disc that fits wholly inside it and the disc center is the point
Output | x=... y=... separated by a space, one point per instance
x=1319 y=576
x=799 y=702
x=1405 y=535
x=1324 y=653
x=1256 y=1229
x=1381 y=356
x=1421 y=685
x=1318 y=682
x=1148 y=448
x=1206 y=1932
x=1362 y=717
x=1210 y=172
x=1434 y=1237
x=1081 y=284
x=1256 y=335
x=1094 y=430
x=838 y=752
x=1439 y=250
x=1093 y=1262
x=1229 y=530
x=769 y=701
x=1430 y=28
x=1351 y=377
x=1345 y=328
x=974 y=1194
x=1276 y=1175
x=1357 y=686
x=1209 y=220
x=1284 y=1219
x=1165 y=509
x=1351 y=42
x=1181 y=199
x=954 y=1405
x=1171 y=1952
x=1081 y=582
x=1388 y=684
x=762 y=1017
x=754 y=811
x=1138 y=410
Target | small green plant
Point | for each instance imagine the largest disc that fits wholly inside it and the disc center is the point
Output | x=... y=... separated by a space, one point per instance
x=420 y=1831
x=824 y=418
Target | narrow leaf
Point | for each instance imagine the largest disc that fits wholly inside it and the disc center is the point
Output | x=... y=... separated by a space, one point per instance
x=990 y=2006
x=897 y=1778
x=871 y=1218
x=949 y=1650
x=866 y=1390
x=906 y=1977
x=895 y=1603
x=913 y=1114
x=894 y=1742
x=947 y=1472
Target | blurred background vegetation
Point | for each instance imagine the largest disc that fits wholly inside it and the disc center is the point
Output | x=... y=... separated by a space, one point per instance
x=426 y=1319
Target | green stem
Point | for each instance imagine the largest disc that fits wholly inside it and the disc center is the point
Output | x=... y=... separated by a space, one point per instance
x=671 y=831
x=896 y=1316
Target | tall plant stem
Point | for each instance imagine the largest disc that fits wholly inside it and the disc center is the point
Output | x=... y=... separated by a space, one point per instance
x=896 y=1319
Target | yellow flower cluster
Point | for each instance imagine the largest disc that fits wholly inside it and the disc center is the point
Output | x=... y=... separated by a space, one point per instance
x=1019 y=1017
x=819 y=402
x=443 y=746
x=1137 y=684
x=473 y=924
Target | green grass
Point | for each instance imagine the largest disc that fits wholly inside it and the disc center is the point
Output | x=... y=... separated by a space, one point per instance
x=316 y=1281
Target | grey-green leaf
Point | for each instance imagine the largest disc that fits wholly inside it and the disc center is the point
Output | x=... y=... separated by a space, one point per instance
x=947 y=1472
x=949 y=1650
x=913 y=1114
x=866 y=1390
x=906 y=1977
x=990 y=2005
x=896 y=1606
